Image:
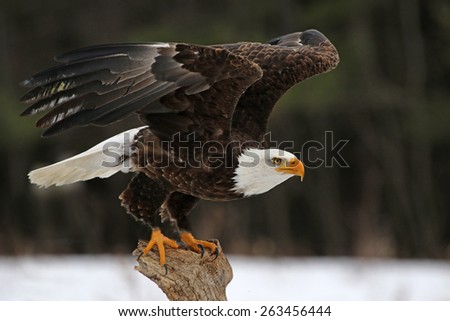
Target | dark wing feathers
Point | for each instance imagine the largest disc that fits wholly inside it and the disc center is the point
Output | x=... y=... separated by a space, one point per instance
x=56 y=94
x=177 y=87
x=170 y=66
x=58 y=86
x=134 y=51
x=103 y=84
x=96 y=94
x=114 y=64
x=92 y=82
x=114 y=105
x=286 y=61
x=205 y=106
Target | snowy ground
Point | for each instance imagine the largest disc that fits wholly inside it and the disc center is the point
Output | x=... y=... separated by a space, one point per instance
x=107 y=277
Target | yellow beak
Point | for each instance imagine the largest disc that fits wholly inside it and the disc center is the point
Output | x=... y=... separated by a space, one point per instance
x=293 y=167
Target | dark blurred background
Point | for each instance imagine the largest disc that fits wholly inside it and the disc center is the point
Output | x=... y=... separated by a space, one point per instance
x=389 y=97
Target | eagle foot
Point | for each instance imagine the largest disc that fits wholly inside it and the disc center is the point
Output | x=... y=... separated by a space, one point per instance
x=199 y=246
x=216 y=252
x=160 y=240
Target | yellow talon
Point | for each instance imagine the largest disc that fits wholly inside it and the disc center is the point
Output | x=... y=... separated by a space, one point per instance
x=198 y=245
x=160 y=240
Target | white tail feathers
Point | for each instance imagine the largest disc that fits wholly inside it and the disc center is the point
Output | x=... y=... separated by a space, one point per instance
x=103 y=160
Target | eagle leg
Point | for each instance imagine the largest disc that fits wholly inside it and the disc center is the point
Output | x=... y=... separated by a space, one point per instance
x=160 y=240
x=199 y=246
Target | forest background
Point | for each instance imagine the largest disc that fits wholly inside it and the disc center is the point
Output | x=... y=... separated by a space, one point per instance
x=389 y=98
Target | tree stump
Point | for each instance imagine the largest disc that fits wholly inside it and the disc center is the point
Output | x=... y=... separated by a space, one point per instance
x=189 y=276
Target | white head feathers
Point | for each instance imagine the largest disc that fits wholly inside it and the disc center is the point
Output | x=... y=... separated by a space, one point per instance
x=260 y=170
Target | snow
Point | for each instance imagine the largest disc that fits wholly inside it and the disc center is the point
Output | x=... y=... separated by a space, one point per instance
x=109 y=277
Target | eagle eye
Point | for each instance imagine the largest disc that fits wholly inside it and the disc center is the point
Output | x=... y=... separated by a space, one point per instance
x=276 y=160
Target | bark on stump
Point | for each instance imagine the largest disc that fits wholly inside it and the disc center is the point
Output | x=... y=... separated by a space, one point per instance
x=189 y=276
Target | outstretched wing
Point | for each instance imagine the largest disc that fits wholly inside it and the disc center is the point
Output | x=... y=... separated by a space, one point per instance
x=175 y=88
x=285 y=61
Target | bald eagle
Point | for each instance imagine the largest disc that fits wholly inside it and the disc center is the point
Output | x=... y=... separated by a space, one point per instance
x=205 y=111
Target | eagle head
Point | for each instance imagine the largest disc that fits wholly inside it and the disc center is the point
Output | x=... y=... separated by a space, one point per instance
x=260 y=170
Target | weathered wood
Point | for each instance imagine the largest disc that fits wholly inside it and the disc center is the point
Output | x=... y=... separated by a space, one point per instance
x=189 y=276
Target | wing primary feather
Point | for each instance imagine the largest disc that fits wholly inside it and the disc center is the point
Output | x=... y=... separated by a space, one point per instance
x=136 y=51
x=95 y=86
x=86 y=116
x=120 y=113
x=104 y=75
x=58 y=86
x=115 y=64
x=90 y=100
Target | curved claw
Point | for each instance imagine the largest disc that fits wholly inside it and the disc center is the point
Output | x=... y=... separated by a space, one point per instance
x=215 y=253
x=166 y=268
x=202 y=249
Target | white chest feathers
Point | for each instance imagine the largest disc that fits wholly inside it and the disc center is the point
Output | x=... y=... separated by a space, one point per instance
x=257 y=173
